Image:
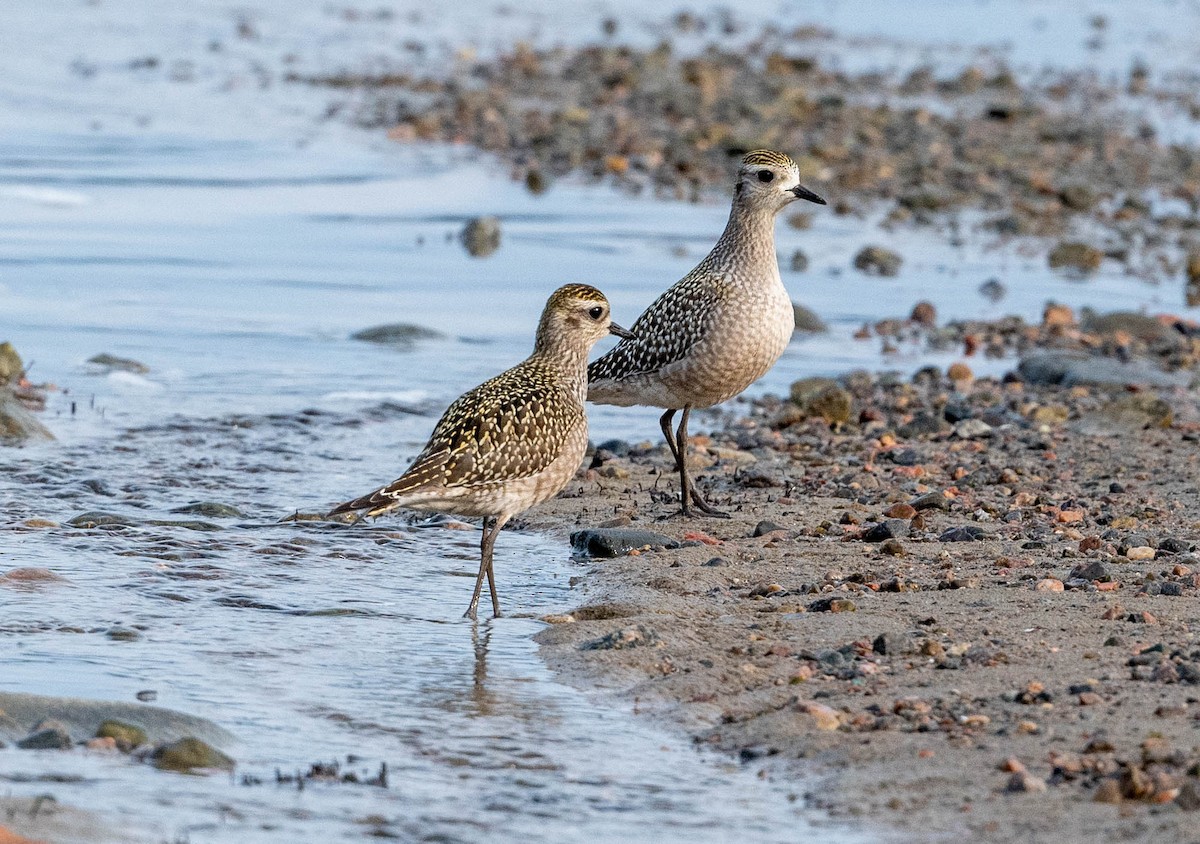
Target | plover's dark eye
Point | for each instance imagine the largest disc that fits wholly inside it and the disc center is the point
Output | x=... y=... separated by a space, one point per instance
x=765 y=175
x=596 y=312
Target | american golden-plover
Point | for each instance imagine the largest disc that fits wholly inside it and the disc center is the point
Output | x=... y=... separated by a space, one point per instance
x=719 y=328
x=513 y=441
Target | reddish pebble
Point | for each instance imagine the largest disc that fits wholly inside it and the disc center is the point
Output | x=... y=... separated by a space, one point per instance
x=700 y=536
x=900 y=511
x=1049 y=584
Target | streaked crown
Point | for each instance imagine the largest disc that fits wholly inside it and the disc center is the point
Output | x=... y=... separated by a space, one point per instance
x=769 y=158
x=570 y=293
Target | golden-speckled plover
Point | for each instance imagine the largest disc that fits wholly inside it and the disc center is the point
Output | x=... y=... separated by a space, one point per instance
x=719 y=328
x=512 y=442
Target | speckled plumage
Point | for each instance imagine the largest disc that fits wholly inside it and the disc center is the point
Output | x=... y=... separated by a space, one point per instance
x=722 y=326
x=515 y=440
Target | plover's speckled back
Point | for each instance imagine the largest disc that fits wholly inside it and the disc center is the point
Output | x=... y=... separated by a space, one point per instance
x=719 y=328
x=513 y=441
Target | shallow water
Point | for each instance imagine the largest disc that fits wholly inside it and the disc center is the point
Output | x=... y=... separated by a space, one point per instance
x=314 y=642
x=214 y=227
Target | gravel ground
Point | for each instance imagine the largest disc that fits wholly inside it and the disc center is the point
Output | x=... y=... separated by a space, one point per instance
x=969 y=606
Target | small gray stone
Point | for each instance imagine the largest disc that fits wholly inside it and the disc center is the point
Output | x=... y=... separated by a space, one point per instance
x=972 y=429
x=1092 y=570
x=876 y=260
x=887 y=529
x=616 y=542
x=807 y=320
x=893 y=644
x=95 y=518
x=930 y=501
x=1171 y=545
x=992 y=290
x=764 y=527
x=399 y=335
x=49 y=735
x=112 y=362
x=618 y=640
x=965 y=533
x=1072 y=369
x=923 y=425
x=122 y=634
x=481 y=236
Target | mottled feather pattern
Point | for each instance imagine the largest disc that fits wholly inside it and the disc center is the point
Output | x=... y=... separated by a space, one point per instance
x=508 y=428
x=667 y=330
x=720 y=327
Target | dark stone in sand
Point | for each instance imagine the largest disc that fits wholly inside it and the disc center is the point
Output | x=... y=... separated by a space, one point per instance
x=616 y=542
x=618 y=448
x=965 y=533
x=715 y=562
x=764 y=527
x=893 y=644
x=957 y=412
x=807 y=320
x=1171 y=545
x=481 y=236
x=17 y=422
x=887 y=529
x=1093 y=570
x=832 y=605
x=112 y=362
x=95 y=518
x=930 y=501
x=1071 y=369
x=188 y=754
x=399 y=335
x=923 y=425
x=904 y=457
x=627 y=637
x=50 y=735
x=212 y=509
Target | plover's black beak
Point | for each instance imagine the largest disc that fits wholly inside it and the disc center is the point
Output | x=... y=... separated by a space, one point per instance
x=623 y=333
x=804 y=193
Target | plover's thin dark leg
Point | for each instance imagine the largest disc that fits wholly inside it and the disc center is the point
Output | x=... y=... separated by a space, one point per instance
x=664 y=422
x=486 y=544
x=688 y=491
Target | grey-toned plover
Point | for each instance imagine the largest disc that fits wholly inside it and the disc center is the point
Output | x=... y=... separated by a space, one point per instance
x=719 y=328
x=512 y=442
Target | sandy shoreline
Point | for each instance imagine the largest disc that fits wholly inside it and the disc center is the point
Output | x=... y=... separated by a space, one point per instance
x=1035 y=680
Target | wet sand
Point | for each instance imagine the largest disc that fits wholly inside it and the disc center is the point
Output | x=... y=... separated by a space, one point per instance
x=984 y=628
